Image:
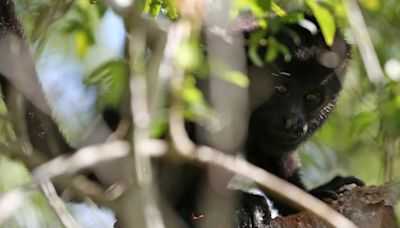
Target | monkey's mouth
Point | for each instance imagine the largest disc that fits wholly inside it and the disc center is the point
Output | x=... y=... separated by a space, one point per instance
x=285 y=137
x=293 y=139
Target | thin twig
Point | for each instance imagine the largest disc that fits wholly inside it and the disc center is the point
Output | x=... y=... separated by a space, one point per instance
x=83 y=158
x=61 y=166
x=58 y=205
x=138 y=85
x=364 y=43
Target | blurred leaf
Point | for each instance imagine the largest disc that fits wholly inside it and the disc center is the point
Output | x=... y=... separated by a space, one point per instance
x=237 y=78
x=372 y=5
x=110 y=80
x=274 y=49
x=155 y=7
x=254 y=41
x=259 y=8
x=264 y=4
x=81 y=22
x=292 y=17
x=195 y=106
x=390 y=109
x=278 y=10
x=81 y=43
x=72 y=26
x=190 y=55
x=325 y=20
x=159 y=126
x=191 y=94
x=253 y=55
x=171 y=9
x=47 y=14
x=83 y=39
x=363 y=121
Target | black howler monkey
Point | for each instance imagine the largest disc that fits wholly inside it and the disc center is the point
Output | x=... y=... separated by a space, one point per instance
x=290 y=100
x=304 y=92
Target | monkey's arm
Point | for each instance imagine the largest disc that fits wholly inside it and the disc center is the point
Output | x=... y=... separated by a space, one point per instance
x=30 y=116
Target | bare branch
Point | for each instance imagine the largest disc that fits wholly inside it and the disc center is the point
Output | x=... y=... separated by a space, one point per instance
x=81 y=159
x=269 y=182
x=364 y=43
x=61 y=166
x=141 y=122
x=58 y=205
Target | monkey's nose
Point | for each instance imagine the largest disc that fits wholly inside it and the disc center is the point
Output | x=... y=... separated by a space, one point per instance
x=289 y=123
x=295 y=125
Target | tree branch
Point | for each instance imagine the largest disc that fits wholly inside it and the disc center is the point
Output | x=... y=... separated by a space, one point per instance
x=58 y=205
x=269 y=182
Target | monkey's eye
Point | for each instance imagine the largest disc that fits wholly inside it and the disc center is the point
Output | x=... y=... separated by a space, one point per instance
x=281 y=89
x=313 y=98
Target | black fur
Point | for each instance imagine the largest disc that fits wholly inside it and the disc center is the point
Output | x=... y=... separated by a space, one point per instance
x=286 y=119
x=280 y=121
x=15 y=66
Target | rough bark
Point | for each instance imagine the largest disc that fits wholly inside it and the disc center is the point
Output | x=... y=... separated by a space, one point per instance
x=365 y=206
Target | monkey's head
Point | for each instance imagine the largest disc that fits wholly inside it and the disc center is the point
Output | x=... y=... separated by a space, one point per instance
x=291 y=99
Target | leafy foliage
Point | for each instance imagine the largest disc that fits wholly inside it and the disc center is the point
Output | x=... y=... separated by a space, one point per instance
x=325 y=20
x=110 y=79
x=154 y=7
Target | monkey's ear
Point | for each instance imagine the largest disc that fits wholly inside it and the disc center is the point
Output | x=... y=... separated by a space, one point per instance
x=336 y=57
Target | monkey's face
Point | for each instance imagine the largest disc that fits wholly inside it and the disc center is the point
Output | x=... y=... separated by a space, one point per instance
x=290 y=103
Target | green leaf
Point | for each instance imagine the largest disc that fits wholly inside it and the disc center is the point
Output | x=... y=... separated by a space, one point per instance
x=258 y=7
x=274 y=49
x=325 y=20
x=254 y=41
x=264 y=4
x=293 y=17
x=237 y=78
x=81 y=43
x=110 y=80
x=372 y=5
x=278 y=10
x=155 y=7
x=171 y=9
x=159 y=126
x=363 y=121
x=72 y=26
x=195 y=105
x=190 y=54
x=254 y=57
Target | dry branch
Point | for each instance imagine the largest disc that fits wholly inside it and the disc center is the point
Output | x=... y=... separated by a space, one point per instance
x=82 y=159
x=269 y=182
x=66 y=167
x=58 y=205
